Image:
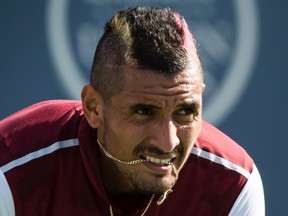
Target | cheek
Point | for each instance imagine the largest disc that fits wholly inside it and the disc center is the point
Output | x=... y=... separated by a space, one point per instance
x=189 y=135
x=121 y=136
x=121 y=140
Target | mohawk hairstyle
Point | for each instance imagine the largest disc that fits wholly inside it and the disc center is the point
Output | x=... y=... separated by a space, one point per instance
x=144 y=37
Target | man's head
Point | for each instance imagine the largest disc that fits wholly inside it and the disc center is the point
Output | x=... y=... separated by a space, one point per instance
x=149 y=38
x=145 y=99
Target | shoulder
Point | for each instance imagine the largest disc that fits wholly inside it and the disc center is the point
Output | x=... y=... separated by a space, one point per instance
x=33 y=142
x=216 y=146
x=225 y=168
x=37 y=127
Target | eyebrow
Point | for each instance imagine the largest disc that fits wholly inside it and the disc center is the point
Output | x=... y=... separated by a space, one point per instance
x=143 y=106
x=188 y=102
x=191 y=104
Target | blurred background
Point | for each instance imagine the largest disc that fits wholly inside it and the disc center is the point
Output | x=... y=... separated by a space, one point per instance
x=46 y=49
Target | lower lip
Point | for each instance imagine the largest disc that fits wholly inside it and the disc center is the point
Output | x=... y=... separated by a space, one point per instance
x=157 y=168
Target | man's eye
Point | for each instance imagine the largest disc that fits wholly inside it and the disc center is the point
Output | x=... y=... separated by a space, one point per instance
x=144 y=111
x=186 y=115
x=185 y=111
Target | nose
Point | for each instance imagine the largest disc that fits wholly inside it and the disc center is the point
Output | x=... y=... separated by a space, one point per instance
x=165 y=135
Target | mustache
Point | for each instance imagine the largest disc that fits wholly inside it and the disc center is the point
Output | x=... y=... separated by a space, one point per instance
x=147 y=148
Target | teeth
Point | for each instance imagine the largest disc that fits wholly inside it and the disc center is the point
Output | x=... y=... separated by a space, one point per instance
x=158 y=161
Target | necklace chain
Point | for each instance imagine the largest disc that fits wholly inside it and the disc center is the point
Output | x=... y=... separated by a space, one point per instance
x=134 y=162
x=145 y=210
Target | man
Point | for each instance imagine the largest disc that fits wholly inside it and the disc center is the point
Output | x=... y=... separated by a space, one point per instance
x=137 y=144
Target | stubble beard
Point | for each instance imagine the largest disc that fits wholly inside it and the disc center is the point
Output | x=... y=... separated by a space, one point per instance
x=145 y=183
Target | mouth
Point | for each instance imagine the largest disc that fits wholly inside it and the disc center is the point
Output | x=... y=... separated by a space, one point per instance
x=158 y=161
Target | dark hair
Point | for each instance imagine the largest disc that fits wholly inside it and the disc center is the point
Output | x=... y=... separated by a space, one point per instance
x=149 y=38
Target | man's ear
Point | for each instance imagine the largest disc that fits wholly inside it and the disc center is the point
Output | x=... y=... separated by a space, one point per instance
x=203 y=87
x=92 y=106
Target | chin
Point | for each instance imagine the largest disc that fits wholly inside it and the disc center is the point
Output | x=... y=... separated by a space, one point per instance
x=158 y=185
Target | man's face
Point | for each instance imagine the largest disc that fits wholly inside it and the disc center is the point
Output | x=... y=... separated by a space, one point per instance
x=156 y=118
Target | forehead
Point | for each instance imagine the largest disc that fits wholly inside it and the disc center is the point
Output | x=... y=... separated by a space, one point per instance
x=136 y=79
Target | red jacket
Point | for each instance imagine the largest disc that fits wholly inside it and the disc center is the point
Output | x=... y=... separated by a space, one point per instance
x=48 y=155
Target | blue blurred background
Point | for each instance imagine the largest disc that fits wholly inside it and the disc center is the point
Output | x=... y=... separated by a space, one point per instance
x=46 y=48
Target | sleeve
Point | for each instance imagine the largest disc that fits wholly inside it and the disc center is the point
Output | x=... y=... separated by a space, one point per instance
x=6 y=199
x=250 y=201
